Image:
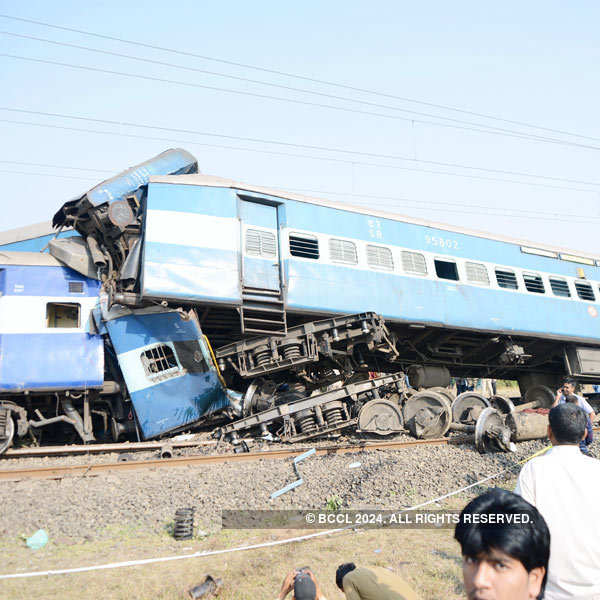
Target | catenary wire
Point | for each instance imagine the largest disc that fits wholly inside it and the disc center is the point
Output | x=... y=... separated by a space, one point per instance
x=292 y=155
x=430 y=206
x=308 y=147
x=270 y=84
x=490 y=131
x=299 y=77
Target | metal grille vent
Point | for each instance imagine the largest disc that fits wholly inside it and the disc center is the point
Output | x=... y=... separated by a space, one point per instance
x=260 y=243
x=533 y=283
x=304 y=246
x=477 y=273
x=413 y=262
x=584 y=291
x=506 y=279
x=160 y=363
x=380 y=258
x=75 y=287
x=343 y=251
x=560 y=287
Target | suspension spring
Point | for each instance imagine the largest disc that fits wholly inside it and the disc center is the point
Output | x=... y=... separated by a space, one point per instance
x=307 y=424
x=334 y=416
x=262 y=356
x=4 y=416
x=184 y=524
x=291 y=351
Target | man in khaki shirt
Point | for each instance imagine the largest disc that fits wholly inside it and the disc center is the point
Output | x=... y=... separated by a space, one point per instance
x=372 y=583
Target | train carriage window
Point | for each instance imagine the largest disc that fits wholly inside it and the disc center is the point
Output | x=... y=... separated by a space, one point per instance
x=507 y=279
x=413 y=262
x=304 y=246
x=159 y=362
x=75 y=287
x=380 y=257
x=343 y=251
x=584 y=290
x=560 y=287
x=533 y=283
x=446 y=269
x=61 y=315
x=260 y=243
x=477 y=273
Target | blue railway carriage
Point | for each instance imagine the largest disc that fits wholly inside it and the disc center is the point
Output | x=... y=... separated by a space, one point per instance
x=260 y=259
x=67 y=374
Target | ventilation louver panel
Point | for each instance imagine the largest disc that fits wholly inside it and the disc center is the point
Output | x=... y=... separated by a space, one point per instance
x=413 y=262
x=380 y=257
x=584 y=291
x=560 y=287
x=304 y=246
x=533 y=283
x=342 y=251
x=506 y=279
x=477 y=273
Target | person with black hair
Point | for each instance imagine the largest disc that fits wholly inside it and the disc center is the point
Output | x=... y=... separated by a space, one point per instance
x=565 y=394
x=302 y=584
x=589 y=437
x=565 y=485
x=371 y=583
x=505 y=544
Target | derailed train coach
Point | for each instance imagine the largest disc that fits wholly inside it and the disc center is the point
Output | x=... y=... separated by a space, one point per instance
x=177 y=259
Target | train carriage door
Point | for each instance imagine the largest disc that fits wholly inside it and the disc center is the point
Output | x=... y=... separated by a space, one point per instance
x=260 y=246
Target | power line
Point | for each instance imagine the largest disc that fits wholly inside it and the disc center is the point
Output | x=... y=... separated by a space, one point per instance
x=320 y=148
x=429 y=208
x=448 y=206
x=275 y=85
x=35 y=164
x=299 y=77
x=292 y=155
x=491 y=131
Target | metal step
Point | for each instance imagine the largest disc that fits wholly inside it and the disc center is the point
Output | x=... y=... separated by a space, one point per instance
x=262 y=312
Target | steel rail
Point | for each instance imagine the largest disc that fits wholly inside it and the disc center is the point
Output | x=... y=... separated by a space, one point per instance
x=86 y=470
x=100 y=448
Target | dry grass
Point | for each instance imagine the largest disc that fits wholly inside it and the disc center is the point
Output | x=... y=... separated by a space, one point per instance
x=428 y=559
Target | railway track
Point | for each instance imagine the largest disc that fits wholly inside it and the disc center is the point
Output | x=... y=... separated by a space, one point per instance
x=92 y=469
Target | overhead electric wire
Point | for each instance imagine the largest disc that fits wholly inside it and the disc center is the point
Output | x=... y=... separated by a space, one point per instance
x=303 y=156
x=429 y=206
x=315 y=147
x=284 y=87
x=491 y=131
x=296 y=76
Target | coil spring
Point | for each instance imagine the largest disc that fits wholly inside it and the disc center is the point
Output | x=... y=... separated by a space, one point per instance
x=262 y=356
x=3 y=421
x=334 y=416
x=307 y=424
x=184 y=524
x=292 y=351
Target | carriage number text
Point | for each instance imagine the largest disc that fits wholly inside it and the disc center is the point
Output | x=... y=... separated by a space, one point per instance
x=441 y=242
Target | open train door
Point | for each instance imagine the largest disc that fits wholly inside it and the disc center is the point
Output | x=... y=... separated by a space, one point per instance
x=167 y=367
x=262 y=299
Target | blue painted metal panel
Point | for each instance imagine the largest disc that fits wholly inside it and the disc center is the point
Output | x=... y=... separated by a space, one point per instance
x=418 y=237
x=191 y=273
x=45 y=281
x=178 y=402
x=217 y=202
x=345 y=290
x=35 y=244
x=262 y=215
x=173 y=162
x=189 y=393
x=51 y=361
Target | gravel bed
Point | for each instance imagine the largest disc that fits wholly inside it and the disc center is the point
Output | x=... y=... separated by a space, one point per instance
x=85 y=508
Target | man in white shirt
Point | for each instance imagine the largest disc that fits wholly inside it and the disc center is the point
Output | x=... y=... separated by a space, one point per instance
x=564 y=485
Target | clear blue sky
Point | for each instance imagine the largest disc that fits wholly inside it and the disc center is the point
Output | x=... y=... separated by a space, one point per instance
x=535 y=62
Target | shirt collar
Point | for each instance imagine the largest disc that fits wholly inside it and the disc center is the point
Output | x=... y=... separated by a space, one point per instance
x=566 y=448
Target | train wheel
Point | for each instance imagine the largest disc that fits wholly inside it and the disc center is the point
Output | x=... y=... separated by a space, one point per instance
x=7 y=429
